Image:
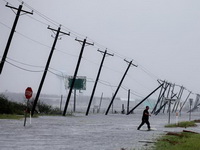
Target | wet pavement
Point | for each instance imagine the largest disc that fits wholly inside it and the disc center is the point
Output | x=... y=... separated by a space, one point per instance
x=80 y=132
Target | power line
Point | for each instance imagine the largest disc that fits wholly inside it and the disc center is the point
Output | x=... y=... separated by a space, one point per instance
x=38 y=21
x=32 y=39
x=5 y=25
x=55 y=74
x=75 y=35
x=51 y=20
x=25 y=63
x=23 y=68
x=40 y=14
x=139 y=82
x=44 y=44
x=35 y=41
x=132 y=92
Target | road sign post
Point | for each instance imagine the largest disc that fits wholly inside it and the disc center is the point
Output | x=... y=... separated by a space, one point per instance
x=191 y=101
x=169 y=108
x=28 y=95
x=79 y=84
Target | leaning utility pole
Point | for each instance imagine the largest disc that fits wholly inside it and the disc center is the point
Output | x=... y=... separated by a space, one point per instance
x=145 y=98
x=161 y=95
x=170 y=86
x=130 y=63
x=100 y=103
x=178 y=98
x=47 y=66
x=19 y=10
x=75 y=73
x=185 y=101
x=97 y=78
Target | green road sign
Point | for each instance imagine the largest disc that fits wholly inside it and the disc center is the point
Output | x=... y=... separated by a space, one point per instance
x=80 y=83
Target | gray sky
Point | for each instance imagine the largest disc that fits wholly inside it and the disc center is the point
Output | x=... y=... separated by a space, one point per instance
x=162 y=38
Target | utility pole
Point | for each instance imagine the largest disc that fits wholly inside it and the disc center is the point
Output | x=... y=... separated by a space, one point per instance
x=130 y=63
x=161 y=96
x=163 y=106
x=74 y=100
x=178 y=98
x=185 y=101
x=61 y=103
x=97 y=78
x=47 y=66
x=129 y=91
x=170 y=85
x=19 y=10
x=169 y=101
x=75 y=73
x=145 y=98
x=100 y=103
x=172 y=95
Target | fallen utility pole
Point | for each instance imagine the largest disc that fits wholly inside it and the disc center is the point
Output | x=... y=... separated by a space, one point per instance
x=19 y=10
x=169 y=89
x=75 y=73
x=155 y=113
x=170 y=86
x=185 y=101
x=97 y=78
x=159 y=97
x=47 y=67
x=158 y=111
x=145 y=99
x=130 y=63
x=165 y=85
x=178 y=97
x=172 y=95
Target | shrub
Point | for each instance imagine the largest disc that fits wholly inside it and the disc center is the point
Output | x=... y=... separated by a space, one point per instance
x=8 y=107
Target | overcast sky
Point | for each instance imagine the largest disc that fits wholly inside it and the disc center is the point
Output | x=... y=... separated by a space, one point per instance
x=161 y=37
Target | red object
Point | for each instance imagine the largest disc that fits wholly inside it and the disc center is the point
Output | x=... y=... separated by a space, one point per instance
x=28 y=92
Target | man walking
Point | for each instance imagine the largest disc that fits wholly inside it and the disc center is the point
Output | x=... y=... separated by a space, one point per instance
x=145 y=119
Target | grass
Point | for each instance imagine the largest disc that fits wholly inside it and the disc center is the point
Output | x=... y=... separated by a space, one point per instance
x=11 y=116
x=183 y=124
x=185 y=141
x=181 y=140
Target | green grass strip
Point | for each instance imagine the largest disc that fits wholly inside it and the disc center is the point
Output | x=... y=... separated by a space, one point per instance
x=186 y=141
x=183 y=124
x=11 y=116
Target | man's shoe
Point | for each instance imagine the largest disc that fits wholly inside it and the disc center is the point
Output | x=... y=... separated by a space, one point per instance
x=138 y=128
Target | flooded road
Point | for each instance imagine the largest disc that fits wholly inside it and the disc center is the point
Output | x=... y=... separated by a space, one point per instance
x=80 y=132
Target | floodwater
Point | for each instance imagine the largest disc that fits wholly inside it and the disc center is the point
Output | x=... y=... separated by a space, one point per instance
x=80 y=132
